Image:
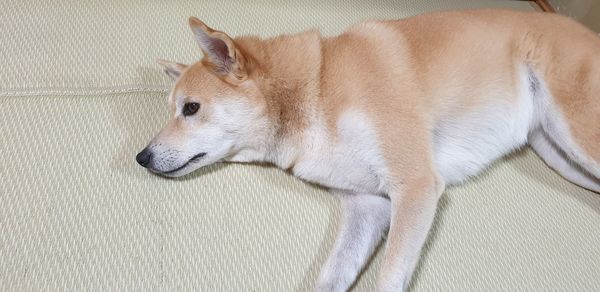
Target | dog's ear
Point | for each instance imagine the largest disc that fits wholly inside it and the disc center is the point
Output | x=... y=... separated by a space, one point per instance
x=172 y=69
x=220 y=53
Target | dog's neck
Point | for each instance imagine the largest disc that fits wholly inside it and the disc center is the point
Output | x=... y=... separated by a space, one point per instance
x=288 y=74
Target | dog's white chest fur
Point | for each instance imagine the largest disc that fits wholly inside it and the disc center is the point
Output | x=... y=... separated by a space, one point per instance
x=350 y=160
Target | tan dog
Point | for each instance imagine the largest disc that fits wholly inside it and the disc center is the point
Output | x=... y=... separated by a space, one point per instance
x=387 y=114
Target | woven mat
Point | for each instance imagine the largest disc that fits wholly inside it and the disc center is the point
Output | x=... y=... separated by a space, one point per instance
x=81 y=95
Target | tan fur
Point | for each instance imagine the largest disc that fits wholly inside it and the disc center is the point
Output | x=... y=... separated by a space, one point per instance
x=408 y=76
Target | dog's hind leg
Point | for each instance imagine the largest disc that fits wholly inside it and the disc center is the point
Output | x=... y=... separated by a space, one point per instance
x=366 y=219
x=557 y=159
x=567 y=134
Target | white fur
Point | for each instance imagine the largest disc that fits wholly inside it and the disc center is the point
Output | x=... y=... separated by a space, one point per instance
x=366 y=219
x=554 y=124
x=466 y=143
x=558 y=160
x=350 y=164
x=231 y=128
x=348 y=159
x=553 y=142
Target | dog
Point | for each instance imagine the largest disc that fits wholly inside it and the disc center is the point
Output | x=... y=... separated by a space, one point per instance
x=387 y=114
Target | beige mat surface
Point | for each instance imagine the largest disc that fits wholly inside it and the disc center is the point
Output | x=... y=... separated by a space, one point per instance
x=65 y=46
x=80 y=95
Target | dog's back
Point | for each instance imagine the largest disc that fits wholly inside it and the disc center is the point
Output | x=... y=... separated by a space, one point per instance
x=484 y=82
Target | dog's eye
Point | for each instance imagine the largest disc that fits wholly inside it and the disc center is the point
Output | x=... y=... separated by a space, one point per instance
x=190 y=108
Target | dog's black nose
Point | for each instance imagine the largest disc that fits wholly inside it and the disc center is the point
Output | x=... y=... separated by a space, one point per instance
x=144 y=157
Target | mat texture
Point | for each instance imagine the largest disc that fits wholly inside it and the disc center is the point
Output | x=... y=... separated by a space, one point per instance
x=63 y=46
x=80 y=95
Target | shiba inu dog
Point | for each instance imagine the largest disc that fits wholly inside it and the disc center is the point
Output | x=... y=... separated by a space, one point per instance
x=387 y=114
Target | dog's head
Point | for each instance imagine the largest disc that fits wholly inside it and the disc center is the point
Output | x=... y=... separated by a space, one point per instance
x=218 y=112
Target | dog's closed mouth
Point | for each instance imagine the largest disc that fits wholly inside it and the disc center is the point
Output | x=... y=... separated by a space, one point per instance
x=194 y=158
